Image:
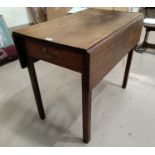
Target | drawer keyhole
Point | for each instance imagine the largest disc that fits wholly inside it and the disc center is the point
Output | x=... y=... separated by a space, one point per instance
x=44 y=50
x=50 y=55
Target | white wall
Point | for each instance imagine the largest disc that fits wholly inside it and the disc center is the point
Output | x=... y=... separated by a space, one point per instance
x=15 y=16
x=134 y=9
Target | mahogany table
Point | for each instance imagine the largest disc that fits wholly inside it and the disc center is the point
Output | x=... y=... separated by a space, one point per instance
x=90 y=42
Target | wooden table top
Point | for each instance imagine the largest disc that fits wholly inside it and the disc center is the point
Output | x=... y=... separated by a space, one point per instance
x=81 y=30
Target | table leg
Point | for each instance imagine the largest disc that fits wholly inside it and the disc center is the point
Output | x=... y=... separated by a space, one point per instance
x=127 y=69
x=35 y=86
x=86 y=111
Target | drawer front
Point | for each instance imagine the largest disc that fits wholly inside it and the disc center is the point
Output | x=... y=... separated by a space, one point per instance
x=65 y=58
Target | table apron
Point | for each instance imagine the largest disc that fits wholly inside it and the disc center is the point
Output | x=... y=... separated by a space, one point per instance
x=60 y=56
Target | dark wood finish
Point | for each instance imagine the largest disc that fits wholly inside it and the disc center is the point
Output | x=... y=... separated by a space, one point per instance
x=145 y=43
x=127 y=69
x=91 y=42
x=65 y=58
x=86 y=112
x=146 y=36
x=57 y=12
x=82 y=30
x=114 y=48
x=149 y=13
x=38 y=14
x=86 y=99
x=35 y=87
x=21 y=50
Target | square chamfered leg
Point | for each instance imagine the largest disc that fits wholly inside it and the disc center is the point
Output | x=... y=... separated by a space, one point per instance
x=35 y=86
x=86 y=114
x=127 y=69
x=86 y=105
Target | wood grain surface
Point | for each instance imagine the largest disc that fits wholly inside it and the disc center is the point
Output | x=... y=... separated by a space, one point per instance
x=104 y=56
x=82 y=30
